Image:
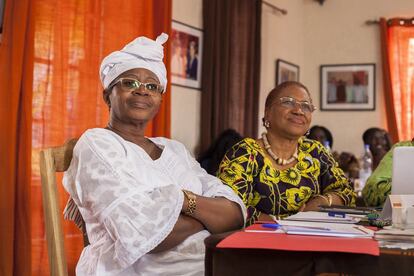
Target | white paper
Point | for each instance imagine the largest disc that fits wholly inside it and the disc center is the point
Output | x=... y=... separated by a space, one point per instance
x=396 y=201
x=388 y=230
x=322 y=217
x=325 y=229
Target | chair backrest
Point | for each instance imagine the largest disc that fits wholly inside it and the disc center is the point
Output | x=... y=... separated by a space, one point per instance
x=54 y=160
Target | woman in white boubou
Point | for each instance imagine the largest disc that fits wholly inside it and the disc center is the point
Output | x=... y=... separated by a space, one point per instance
x=146 y=202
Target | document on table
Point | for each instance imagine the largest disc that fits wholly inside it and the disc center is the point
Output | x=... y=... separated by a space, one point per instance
x=323 y=217
x=325 y=229
x=393 y=234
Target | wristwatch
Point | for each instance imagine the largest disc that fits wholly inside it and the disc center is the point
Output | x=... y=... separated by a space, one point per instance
x=192 y=203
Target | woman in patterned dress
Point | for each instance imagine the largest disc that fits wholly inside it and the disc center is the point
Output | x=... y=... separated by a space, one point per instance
x=284 y=172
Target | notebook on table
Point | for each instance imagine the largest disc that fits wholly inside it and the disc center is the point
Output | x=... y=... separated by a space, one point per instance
x=402 y=182
x=403 y=171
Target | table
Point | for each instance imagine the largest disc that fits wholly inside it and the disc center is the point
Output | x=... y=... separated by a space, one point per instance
x=228 y=261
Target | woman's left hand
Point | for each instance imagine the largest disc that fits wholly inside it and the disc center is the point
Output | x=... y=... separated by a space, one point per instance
x=314 y=202
x=312 y=205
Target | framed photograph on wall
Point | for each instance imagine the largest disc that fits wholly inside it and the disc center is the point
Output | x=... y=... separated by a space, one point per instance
x=348 y=87
x=286 y=71
x=186 y=49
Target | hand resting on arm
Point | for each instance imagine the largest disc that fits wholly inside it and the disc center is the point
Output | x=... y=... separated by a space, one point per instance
x=218 y=214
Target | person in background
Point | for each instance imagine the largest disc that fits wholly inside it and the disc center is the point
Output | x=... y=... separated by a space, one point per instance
x=146 y=202
x=192 y=61
x=349 y=163
x=321 y=134
x=379 y=144
x=346 y=161
x=378 y=185
x=284 y=172
x=178 y=62
x=211 y=158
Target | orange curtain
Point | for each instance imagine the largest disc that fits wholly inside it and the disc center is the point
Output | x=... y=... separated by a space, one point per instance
x=71 y=38
x=16 y=51
x=49 y=59
x=398 y=40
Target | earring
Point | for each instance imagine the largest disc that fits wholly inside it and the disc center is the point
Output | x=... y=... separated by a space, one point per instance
x=266 y=123
x=307 y=132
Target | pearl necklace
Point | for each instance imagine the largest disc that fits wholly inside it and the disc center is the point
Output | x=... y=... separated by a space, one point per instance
x=280 y=161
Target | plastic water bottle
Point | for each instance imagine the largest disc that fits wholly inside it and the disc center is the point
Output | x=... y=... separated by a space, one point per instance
x=366 y=168
x=327 y=146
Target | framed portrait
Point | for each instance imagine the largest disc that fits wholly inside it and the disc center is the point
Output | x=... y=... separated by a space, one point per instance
x=186 y=49
x=348 y=87
x=286 y=71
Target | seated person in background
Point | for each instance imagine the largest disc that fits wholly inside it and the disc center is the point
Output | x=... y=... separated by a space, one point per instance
x=211 y=159
x=346 y=161
x=146 y=202
x=349 y=164
x=284 y=173
x=320 y=134
x=378 y=185
x=379 y=144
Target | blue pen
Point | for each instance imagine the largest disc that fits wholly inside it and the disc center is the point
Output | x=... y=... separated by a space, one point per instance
x=336 y=214
x=271 y=225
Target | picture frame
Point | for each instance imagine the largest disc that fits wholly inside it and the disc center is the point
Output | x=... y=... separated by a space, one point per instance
x=286 y=71
x=186 y=55
x=2 y=8
x=347 y=87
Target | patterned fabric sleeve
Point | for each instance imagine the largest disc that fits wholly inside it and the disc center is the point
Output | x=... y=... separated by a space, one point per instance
x=378 y=185
x=211 y=185
x=332 y=179
x=237 y=170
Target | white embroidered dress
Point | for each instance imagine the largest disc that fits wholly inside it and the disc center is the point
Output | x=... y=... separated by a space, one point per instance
x=130 y=204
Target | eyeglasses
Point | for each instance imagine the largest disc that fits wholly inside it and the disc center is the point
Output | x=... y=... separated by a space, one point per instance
x=292 y=103
x=129 y=84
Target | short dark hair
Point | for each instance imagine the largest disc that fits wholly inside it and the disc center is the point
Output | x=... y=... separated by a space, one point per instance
x=276 y=91
x=211 y=158
x=370 y=132
x=328 y=134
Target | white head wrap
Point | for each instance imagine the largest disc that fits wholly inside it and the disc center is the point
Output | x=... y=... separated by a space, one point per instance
x=142 y=52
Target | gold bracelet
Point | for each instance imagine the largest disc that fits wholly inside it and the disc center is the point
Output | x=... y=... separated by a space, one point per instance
x=274 y=218
x=327 y=198
x=192 y=204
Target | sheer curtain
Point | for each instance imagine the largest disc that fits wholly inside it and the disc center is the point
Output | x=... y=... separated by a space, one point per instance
x=71 y=38
x=16 y=72
x=49 y=60
x=398 y=67
x=231 y=68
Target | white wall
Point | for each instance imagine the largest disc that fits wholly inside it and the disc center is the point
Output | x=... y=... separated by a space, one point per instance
x=282 y=37
x=186 y=102
x=334 y=33
x=309 y=35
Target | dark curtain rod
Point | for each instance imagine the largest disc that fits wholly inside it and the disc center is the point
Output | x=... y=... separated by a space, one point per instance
x=372 y=22
x=393 y=21
x=282 y=11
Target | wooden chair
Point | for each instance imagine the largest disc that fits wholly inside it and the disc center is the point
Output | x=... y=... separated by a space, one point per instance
x=52 y=160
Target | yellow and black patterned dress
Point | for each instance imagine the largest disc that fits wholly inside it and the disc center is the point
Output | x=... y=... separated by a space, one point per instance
x=264 y=188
